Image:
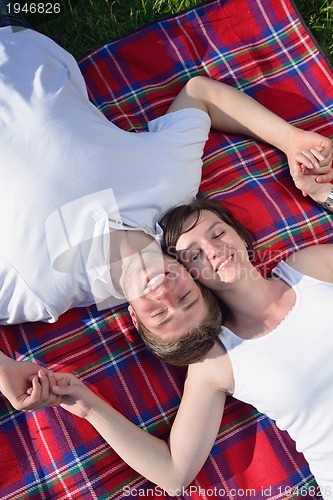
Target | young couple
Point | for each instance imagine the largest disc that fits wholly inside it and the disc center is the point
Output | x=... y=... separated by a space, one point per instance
x=70 y=142
x=274 y=351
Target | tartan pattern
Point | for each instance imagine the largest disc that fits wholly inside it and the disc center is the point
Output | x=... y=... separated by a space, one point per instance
x=261 y=47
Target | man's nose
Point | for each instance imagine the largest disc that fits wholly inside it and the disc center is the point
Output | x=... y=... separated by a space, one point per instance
x=165 y=292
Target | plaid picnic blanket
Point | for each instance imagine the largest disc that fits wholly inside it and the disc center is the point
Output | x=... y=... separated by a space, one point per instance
x=262 y=48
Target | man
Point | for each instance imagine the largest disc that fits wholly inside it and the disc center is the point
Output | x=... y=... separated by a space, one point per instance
x=82 y=198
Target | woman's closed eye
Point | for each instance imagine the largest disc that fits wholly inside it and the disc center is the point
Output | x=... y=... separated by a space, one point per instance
x=218 y=235
x=195 y=255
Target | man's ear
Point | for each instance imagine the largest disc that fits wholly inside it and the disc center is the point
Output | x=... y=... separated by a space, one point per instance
x=133 y=316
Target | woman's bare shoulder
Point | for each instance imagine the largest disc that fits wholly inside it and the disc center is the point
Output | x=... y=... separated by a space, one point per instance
x=214 y=369
x=315 y=261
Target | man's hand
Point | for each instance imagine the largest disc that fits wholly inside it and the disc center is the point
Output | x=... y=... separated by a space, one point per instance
x=17 y=381
x=309 y=187
x=311 y=154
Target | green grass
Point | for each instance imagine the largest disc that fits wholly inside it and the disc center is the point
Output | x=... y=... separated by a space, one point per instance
x=85 y=25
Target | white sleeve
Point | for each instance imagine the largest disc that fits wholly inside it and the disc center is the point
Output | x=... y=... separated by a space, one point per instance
x=183 y=137
x=18 y=304
x=190 y=125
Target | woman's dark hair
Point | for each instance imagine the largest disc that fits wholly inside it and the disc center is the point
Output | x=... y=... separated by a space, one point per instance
x=172 y=223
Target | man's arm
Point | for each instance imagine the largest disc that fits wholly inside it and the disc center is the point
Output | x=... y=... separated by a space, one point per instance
x=17 y=377
x=233 y=111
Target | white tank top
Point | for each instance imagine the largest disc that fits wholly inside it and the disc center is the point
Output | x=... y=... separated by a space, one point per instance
x=288 y=373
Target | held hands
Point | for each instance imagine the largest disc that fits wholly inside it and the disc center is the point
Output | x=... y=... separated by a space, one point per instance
x=19 y=384
x=64 y=389
x=309 y=154
x=310 y=187
x=29 y=387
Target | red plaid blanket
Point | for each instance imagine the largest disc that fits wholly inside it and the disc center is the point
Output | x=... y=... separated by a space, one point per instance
x=261 y=47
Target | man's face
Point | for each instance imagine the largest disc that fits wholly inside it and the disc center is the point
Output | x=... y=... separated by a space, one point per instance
x=163 y=295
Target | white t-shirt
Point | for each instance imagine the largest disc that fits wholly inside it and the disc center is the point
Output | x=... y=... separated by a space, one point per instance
x=68 y=175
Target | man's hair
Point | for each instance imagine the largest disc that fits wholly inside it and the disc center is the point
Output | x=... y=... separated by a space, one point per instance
x=194 y=344
x=172 y=223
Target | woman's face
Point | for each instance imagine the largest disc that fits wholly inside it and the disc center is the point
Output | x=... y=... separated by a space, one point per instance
x=212 y=251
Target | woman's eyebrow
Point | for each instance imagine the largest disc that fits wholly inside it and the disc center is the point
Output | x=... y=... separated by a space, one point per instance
x=214 y=224
x=194 y=243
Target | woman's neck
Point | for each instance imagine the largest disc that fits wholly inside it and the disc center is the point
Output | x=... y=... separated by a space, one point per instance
x=257 y=305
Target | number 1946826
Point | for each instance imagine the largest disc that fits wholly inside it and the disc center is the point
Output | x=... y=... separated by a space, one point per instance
x=34 y=8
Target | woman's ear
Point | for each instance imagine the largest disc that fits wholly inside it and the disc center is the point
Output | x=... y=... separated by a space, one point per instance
x=133 y=316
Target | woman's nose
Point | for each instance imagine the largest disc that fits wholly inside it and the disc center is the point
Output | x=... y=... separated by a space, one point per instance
x=211 y=250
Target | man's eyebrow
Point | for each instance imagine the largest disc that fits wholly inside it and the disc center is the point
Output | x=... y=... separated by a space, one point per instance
x=169 y=318
x=165 y=321
x=191 y=304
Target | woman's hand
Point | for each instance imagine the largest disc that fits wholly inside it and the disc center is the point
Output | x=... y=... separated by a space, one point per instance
x=310 y=187
x=309 y=154
x=76 y=397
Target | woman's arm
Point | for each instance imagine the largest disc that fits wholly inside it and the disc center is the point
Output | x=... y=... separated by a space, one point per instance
x=315 y=261
x=233 y=111
x=169 y=465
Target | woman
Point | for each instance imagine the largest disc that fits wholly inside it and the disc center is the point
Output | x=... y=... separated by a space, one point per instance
x=274 y=351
